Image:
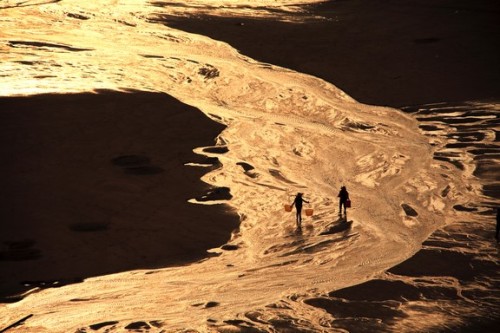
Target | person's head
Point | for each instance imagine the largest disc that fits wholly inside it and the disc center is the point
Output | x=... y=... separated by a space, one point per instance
x=342 y=188
x=299 y=194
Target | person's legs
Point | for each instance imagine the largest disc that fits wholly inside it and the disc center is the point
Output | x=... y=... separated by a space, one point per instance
x=342 y=204
x=299 y=218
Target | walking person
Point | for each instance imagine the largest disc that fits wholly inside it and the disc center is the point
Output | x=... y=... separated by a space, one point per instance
x=297 y=202
x=343 y=197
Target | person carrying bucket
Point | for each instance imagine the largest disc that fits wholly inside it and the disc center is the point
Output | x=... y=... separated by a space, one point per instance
x=297 y=202
x=343 y=200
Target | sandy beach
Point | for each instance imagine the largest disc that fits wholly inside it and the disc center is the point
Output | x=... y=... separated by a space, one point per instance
x=422 y=56
x=429 y=58
x=173 y=173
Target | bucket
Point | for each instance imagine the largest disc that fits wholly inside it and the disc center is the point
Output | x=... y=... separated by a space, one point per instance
x=288 y=208
x=348 y=203
x=309 y=211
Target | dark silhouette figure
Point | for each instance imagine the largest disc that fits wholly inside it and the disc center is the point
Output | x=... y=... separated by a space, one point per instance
x=297 y=202
x=343 y=197
x=498 y=225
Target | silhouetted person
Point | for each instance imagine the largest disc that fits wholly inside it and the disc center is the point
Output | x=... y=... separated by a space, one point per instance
x=297 y=202
x=343 y=197
x=498 y=224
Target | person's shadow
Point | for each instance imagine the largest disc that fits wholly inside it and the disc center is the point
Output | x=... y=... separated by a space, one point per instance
x=338 y=226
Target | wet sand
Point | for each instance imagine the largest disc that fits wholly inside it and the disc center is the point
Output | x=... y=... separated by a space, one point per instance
x=96 y=183
x=395 y=53
x=128 y=181
x=411 y=53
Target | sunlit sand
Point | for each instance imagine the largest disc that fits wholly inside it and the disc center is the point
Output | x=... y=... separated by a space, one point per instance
x=284 y=132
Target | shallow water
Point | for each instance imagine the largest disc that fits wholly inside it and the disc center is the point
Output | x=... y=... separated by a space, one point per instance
x=300 y=134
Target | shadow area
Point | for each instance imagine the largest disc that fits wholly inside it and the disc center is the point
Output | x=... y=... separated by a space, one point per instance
x=94 y=184
x=339 y=226
x=382 y=52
